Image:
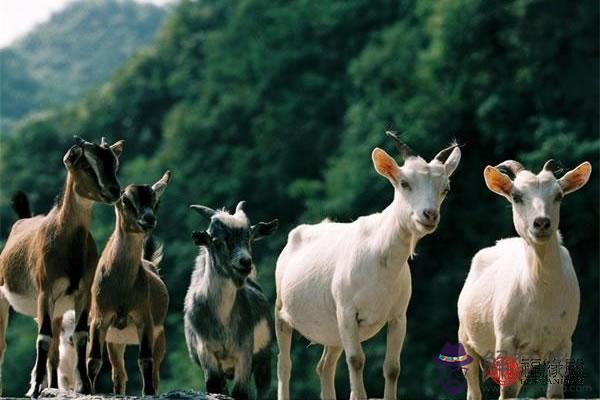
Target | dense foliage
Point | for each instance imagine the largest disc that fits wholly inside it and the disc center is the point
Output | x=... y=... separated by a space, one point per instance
x=280 y=103
x=76 y=49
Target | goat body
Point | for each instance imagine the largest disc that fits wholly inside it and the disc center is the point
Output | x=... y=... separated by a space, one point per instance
x=223 y=323
x=129 y=307
x=129 y=299
x=228 y=323
x=321 y=267
x=54 y=255
x=48 y=263
x=521 y=297
x=338 y=284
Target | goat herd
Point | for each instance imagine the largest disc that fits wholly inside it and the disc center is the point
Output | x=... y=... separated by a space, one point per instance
x=337 y=284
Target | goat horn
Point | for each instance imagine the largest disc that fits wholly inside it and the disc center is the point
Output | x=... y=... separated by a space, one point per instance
x=443 y=155
x=402 y=147
x=553 y=166
x=80 y=142
x=161 y=184
x=241 y=206
x=510 y=167
x=203 y=210
x=103 y=142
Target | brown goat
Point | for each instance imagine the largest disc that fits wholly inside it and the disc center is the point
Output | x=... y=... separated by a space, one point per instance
x=129 y=300
x=48 y=263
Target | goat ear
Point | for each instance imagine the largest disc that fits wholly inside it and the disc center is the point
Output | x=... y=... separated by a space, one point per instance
x=201 y=238
x=160 y=186
x=72 y=155
x=385 y=165
x=497 y=182
x=203 y=210
x=263 y=229
x=117 y=147
x=452 y=161
x=576 y=178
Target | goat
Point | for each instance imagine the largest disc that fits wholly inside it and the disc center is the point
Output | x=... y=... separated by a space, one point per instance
x=68 y=377
x=48 y=262
x=338 y=284
x=227 y=316
x=522 y=296
x=129 y=300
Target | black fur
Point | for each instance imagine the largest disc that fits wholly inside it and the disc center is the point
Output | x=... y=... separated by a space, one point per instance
x=20 y=203
x=235 y=337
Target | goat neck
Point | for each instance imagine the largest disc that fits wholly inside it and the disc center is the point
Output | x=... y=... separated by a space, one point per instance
x=543 y=259
x=125 y=249
x=219 y=288
x=395 y=239
x=74 y=210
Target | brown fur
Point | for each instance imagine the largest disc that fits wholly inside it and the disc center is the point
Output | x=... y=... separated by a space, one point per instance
x=126 y=292
x=42 y=250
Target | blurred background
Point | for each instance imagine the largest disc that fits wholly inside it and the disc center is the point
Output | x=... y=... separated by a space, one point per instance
x=280 y=103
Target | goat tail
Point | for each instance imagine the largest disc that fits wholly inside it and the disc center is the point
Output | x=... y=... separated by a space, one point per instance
x=20 y=203
x=153 y=251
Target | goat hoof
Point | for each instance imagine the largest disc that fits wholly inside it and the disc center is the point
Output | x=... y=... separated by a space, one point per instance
x=34 y=390
x=86 y=388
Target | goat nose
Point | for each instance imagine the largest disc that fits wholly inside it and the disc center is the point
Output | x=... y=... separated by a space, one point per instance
x=541 y=223
x=149 y=219
x=246 y=262
x=430 y=214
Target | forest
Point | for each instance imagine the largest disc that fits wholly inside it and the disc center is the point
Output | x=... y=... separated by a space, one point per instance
x=280 y=103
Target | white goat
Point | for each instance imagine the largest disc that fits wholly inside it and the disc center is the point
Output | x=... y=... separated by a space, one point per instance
x=338 y=284
x=521 y=296
x=68 y=376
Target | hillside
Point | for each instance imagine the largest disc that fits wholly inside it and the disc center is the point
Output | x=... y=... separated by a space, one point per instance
x=76 y=49
x=281 y=104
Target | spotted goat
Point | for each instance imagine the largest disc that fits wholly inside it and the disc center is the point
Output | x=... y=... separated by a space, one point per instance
x=228 y=323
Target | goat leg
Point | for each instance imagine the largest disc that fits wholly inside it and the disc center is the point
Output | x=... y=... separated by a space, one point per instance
x=241 y=380
x=4 y=313
x=94 y=362
x=43 y=344
x=396 y=331
x=283 y=331
x=355 y=356
x=80 y=339
x=145 y=357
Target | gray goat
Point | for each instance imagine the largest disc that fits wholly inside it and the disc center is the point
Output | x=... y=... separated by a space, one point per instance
x=228 y=322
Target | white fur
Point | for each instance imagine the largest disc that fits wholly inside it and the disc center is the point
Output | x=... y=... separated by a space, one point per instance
x=128 y=335
x=521 y=297
x=94 y=166
x=338 y=284
x=262 y=335
x=237 y=220
x=23 y=304
x=68 y=376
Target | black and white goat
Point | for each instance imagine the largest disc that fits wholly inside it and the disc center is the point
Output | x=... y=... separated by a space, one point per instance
x=228 y=323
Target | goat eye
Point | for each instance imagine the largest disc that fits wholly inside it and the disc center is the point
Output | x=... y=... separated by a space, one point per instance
x=405 y=185
x=127 y=203
x=517 y=197
x=558 y=197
